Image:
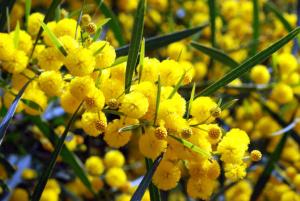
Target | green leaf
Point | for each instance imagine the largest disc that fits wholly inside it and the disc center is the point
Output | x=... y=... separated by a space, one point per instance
x=50 y=166
x=79 y=18
x=156 y=42
x=191 y=100
x=17 y=35
x=212 y=19
x=229 y=104
x=5 y=8
x=99 y=29
x=176 y=87
x=32 y=104
x=140 y=191
x=54 y=39
x=119 y=60
x=129 y=128
x=153 y=190
x=248 y=64
x=67 y=156
x=157 y=100
x=100 y=49
x=27 y=12
x=113 y=24
x=142 y=56
x=192 y=146
x=10 y=113
x=48 y=17
x=255 y=26
x=215 y=54
x=272 y=7
x=136 y=38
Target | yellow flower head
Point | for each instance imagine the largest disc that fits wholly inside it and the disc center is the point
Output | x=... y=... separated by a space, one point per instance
x=112 y=89
x=114 y=158
x=51 y=83
x=37 y=96
x=260 y=74
x=134 y=105
x=80 y=62
x=115 y=177
x=68 y=102
x=282 y=93
x=25 y=42
x=34 y=23
x=166 y=175
x=7 y=48
x=66 y=26
x=106 y=57
x=170 y=72
x=287 y=63
x=94 y=100
x=150 y=146
x=235 y=172
x=94 y=165
x=201 y=109
x=150 y=69
x=81 y=86
x=50 y=59
x=94 y=123
x=69 y=43
x=17 y=63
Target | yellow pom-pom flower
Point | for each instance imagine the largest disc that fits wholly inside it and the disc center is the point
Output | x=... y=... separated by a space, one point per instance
x=150 y=69
x=287 y=63
x=94 y=100
x=67 y=27
x=37 y=96
x=114 y=158
x=201 y=109
x=166 y=175
x=25 y=42
x=17 y=63
x=50 y=59
x=34 y=23
x=94 y=165
x=282 y=93
x=134 y=105
x=81 y=86
x=235 y=172
x=51 y=83
x=115 y=177
x=170 y=72
x=68 y=102
x=260 y=74
x=94 y=123
x=80 y=62
x=106 y=57
x=19 y=194
x=7 y=48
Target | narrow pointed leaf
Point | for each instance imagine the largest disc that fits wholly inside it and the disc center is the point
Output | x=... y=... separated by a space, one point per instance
x=212 y=19
x=229 y=104
x=129 y=128
x=157 y=100
x=79 y=18
x=156 y=42
x=153 y=190
x=27 y=12
x=100 y=26
x=142 y=59
x=192 y=146
x=54 y=39
x=119 y=60
x=49 y=168
x=5 y=7
x=255 y=26
x=272 y=7
x=176 y=87
x=248 y=64
x=140 y=191
x=10 y=113
x=191 y=100
x=32 y=104
x=67 y=156
x=215 y=54
x=17 y=35
x=137 y=34
x=48 y=17
x=113 y=24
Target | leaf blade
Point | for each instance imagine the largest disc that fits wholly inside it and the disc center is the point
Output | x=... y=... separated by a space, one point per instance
x=156 y=42
x=248 y=64
x=215 y=54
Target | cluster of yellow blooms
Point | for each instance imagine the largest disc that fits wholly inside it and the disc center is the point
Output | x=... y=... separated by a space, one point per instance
x=87 y=74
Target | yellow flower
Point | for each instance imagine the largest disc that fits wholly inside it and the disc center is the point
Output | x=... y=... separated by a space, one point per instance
x=94 y=165
x=94 y=123
x=81 y=86
x=34 y=23
x=123 y=197
x=170 y=72
x=178 y=51
x=37 y=96
x=166 y=175
x=7 y=48
x=260 y=74
x=46 y=37
x=114 y=158
x=118 y=72
x=201 y=109
x=29 y=174
x=49 y=195
x=282 y=93
x=18 y=80
x=17 y=63
x=150 y=146
x=112 y=89
x=235 y=172
x=200 y=188
x=233 y=146
x=19 y=194
x=115 y=177
x=51 y=83
x=68 y=102
x=69 y=43
x=67 y=27
x=25 y=42
x=117 y=139
x=50 y=59
x=106 y=57
x=150 y=69
x=134 y=105
x=80 y=62
x=94 y=100
x=287 y=63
